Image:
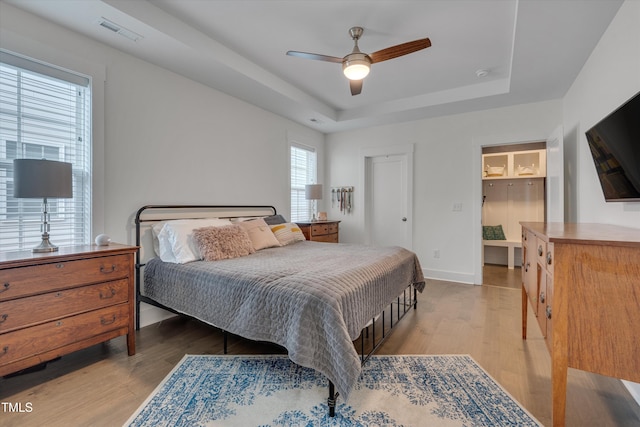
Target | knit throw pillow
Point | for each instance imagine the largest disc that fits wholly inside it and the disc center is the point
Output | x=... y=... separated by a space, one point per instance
x=229 y=241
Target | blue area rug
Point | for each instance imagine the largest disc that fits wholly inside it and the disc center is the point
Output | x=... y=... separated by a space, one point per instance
x=265 y=391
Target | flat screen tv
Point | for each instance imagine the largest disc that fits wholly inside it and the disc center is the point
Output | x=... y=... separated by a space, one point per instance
x=615 y=146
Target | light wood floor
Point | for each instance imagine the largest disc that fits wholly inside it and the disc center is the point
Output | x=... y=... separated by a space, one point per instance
x=102 y=386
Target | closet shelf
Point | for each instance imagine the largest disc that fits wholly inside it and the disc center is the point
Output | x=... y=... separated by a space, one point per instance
x=514 y=165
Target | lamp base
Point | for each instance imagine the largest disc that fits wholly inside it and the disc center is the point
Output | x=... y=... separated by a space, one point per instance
x=45 y=245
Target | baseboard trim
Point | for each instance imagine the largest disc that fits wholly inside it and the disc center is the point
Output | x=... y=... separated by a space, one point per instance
x=449 y=276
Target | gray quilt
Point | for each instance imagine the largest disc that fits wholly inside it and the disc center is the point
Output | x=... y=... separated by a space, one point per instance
x=311 y=298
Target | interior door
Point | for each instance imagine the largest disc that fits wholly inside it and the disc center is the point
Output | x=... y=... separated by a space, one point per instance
x=555 y=177
x=388 y=213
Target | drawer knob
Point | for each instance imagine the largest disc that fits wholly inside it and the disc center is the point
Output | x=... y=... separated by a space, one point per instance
x=3 y=318
x=549 y=257
x=5 y=287
x=542 y=297
x=4 y=351
x=548 y=311
x=59 y=265
x=105 y=322
x=108 y=295
x=540 y=251
x=104 y=270
x=526 y=267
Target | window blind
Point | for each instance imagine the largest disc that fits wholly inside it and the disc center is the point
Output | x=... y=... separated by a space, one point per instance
x=45 y=113
x=303 y=172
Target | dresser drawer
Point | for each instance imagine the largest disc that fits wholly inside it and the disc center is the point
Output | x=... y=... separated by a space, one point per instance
x=548 y=314
x=549 y=261
x=37 y=309
x=31 y=341
x=541 y=251
x=24 y=281
x=542 y=303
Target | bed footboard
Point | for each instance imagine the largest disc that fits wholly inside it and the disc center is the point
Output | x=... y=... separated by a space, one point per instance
x=370 y=340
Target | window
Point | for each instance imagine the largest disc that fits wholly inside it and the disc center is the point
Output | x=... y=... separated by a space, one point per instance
x=303 y=172
x=45 y=113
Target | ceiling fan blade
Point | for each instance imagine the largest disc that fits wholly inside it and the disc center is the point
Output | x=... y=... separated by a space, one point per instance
x=399 y=50
x=355 y=86
x=315 y=56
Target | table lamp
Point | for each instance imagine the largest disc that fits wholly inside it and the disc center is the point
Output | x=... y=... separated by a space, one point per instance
x=313 y=192
x=34 y=179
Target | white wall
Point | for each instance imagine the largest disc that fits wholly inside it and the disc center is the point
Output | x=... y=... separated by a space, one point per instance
x=610 y=76
x=447 y=150
x=167 y=139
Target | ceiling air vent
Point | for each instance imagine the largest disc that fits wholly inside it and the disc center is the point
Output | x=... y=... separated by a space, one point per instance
x=112 y=26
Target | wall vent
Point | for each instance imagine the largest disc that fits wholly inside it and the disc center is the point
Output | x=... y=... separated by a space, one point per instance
x=119 y=29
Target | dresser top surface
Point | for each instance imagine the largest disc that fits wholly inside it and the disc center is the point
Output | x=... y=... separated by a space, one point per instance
x=586 y=233
x=8 y=259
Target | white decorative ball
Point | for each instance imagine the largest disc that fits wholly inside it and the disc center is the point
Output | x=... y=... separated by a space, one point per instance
x=102 y=240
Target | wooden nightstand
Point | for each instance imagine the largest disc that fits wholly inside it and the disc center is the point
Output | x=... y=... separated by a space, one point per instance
x=320 y=231
x=55 y=303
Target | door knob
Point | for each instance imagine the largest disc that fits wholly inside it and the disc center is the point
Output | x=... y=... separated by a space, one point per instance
x=404 y=219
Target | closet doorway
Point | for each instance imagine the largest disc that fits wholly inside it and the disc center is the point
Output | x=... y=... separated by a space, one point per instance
x=388 y=184
x=513 y=190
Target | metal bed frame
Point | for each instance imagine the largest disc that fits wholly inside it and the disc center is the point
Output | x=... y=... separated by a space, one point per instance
x=369 y=339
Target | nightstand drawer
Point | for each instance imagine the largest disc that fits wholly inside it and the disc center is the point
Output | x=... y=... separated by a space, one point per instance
x=322 y=229
x=24 y=281
x=24 y=312
x=28 y=342
x=328 y=238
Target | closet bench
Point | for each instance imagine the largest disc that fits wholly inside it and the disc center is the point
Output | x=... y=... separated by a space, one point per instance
x=511 y=246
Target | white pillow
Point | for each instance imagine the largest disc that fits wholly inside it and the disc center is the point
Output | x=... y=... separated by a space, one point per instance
x=179 y=236
x=161 y=244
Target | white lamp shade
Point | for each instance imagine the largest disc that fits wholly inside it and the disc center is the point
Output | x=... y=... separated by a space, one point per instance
x=356 y=66
x=41 y=179
x=313 y=191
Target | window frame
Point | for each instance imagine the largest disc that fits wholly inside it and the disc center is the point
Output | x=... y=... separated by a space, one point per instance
x=20 y=225
x=300 y=208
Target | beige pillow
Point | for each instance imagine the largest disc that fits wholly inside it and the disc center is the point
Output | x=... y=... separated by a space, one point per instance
x=287 y=233
x=226 y=242
x=260 y=234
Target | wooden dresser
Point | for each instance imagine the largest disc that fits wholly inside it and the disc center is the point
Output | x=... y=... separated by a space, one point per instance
x=583 y=283
x=56 y=303
x=321 y=231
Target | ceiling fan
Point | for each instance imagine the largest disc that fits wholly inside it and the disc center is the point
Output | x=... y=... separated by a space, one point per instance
x=357 y=65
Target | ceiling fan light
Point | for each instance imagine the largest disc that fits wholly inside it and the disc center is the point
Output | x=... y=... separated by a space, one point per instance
x=356 y=71
x=356 y=66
